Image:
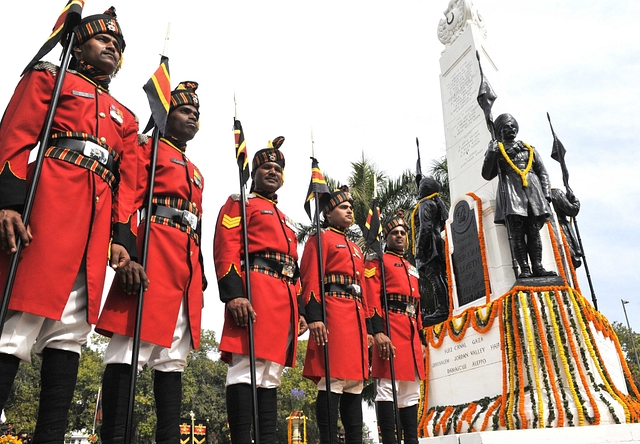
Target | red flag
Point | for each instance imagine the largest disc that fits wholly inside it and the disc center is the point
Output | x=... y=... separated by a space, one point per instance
x=317 y=185
x=69 y=18
x=158 y=90
x=241 y=151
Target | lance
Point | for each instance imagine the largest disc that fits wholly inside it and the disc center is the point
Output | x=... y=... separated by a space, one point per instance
x=557 y=153
x=323 y=299
x=247 y=289
x=486 y=97
x=418 y=166
x=383 y=278
x=37 y=170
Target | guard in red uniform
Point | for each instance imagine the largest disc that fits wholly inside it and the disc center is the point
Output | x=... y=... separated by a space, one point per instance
x=82 y=205
x=345 y=332
x=273 y=252
x=407 y=338
x=173 y=300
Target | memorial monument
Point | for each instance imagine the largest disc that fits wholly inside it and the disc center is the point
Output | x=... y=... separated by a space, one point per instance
x=519 y=350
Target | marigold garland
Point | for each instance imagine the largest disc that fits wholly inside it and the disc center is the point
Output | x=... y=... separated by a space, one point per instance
x=458 y=326
x=522 y=173
x=504 y=349
x=534 y=357
x=498 y=403
x=449 y=268
x=483 y=247
x=551 y=383
x=482 y=322
x=572 y=269
x=509 y=333
x=563 y=358
x=556 y=253
x=520 y=415
x=562 y=308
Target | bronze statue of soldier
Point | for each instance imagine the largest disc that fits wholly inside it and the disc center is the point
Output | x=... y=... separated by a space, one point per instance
x=523 y=196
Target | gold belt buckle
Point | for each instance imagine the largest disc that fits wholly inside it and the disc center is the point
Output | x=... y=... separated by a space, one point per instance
x=411 y=308
x=288 y=271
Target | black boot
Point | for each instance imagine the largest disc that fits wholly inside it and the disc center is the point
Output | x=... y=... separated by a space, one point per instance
x=409 y=420
x=328 y=429
x=58 y=378
x=267 y=414
x=115 y=403
x=8 y=368
x=167 y=388
x=387 y=422
x=439 y=289
x=516 y=227
x=239 y=413
x=534 y=247
x=351 y=414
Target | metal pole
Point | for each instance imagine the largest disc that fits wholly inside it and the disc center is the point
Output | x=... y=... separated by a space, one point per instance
x=633 y=339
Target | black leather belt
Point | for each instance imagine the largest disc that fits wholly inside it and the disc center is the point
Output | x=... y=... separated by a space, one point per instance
x=285 y=270
x=407 y=308
x=182 y=217
x=352 y=289
x=88 y=149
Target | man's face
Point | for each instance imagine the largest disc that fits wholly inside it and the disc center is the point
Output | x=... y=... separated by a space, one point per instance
x=101 y=51
x=268 y=177
x=341 y=216
x=397 y=239
x=509 y=130
x=182 y=123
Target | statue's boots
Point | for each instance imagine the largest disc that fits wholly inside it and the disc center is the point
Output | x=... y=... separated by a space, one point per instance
x=534 y=247
x=439 y=288
x=240 y=413
x=328 y=427
x=8 y=369
x=409 y=420
x=387 y=422
x=351 y=415
x=116 y=381
x=58 y=377
x=167 y=388
x=519 y=246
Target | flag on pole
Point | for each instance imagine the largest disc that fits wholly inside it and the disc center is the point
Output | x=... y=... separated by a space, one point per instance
x=158 y=90
x=69 y=18
x=241 y=151
x=316 y=185
x=486 y=97
x=373 y=227
x=557 y=153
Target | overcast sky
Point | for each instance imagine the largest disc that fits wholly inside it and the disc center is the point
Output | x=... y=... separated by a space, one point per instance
x=364 y=75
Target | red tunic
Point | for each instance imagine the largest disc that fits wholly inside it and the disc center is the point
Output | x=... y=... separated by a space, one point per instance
x=273 y=296
x=346 y=316
x=173 y=265
x=74 y=208
x=401 y=282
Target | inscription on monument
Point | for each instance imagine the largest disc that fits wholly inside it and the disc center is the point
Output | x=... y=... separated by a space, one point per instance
x=473 y=351
x=466 y=257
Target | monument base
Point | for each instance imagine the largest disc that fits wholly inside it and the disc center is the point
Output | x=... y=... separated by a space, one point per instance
x=609 y=434
x=537 y=357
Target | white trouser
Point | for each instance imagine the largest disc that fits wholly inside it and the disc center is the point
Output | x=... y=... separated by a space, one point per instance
x=341 y=385
x=408 y=392
x=172 y=359
x=268 y=373
x=24 y=330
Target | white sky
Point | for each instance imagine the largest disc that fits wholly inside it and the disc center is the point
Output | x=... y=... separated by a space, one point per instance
x=364 y=75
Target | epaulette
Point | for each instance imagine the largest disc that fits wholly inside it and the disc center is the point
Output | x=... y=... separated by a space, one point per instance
x=143 y=139
x=371 y=255
x=236 y=196
x=46 y=66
